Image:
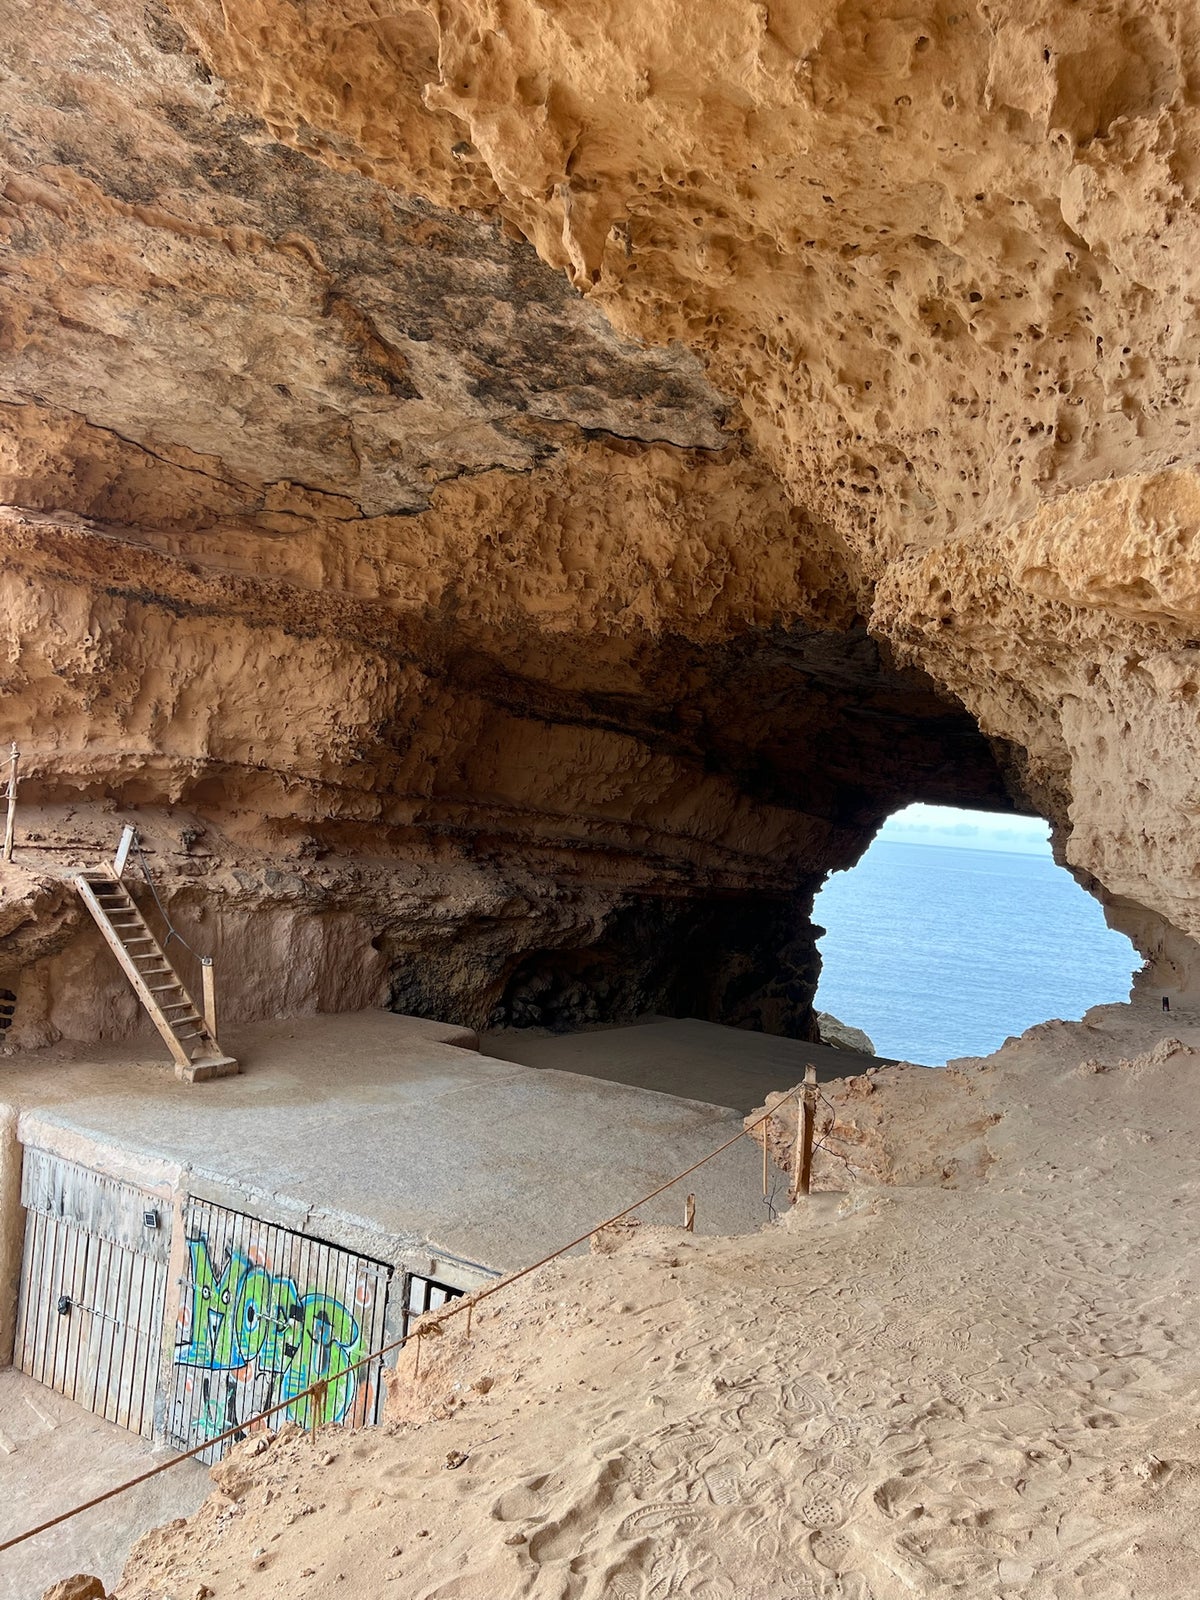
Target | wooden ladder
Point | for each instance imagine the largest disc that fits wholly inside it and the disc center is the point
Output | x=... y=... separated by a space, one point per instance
x=186 y=1034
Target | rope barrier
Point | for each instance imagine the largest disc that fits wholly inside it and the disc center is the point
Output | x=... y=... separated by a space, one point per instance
x=454 y=1308
x=172 y=931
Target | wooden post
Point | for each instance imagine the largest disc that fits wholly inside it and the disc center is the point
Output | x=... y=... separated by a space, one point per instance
x=11 y=820
x=316 y=1406
x=208 y=981
x=689 y=1213
x=806 y=1123
x=766 y=1128
x=128 y=835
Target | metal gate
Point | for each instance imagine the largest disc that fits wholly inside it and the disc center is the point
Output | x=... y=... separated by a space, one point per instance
x=424 y=1294
x=93 y=1287
x=265 y=1313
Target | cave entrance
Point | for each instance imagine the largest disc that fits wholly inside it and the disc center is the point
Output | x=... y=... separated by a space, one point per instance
x=956 y=930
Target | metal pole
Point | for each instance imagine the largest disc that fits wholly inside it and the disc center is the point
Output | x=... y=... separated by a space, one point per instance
x=11 y=821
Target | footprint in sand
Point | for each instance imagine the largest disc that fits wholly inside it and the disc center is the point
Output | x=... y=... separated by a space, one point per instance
x=652 y=1573
x=831 y=1549
x=852 y=1586
x=844 y=1465
x=651 y=1521
x=668 y=1572
x=674 y=1452
x=824 y=1503
x=840 y=1435
x=640 y=1475
x=818 y=1512
x=722 y=1485
x=521 y=1502
x=806 y=1398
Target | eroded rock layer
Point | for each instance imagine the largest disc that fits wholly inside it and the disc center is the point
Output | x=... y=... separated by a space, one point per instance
x=528 y=649
x=347 y=797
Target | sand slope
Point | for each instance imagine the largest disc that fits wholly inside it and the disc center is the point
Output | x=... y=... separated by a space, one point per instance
x=977 y=1382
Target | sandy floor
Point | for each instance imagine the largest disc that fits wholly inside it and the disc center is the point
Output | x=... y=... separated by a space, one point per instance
x=980 y=1380
x=54 y=1454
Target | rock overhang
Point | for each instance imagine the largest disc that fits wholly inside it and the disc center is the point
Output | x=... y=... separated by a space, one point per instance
x=180 y=279
x=553 y=600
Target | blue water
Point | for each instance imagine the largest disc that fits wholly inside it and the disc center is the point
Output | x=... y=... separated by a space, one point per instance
x=939 y=952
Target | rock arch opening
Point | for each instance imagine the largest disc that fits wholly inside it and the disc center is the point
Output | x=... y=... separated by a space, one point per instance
x=957 y=930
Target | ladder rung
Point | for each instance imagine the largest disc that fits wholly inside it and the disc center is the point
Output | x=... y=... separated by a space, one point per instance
x=164 y=988
x=182 y=1005
x=193 y=1033
x=145 y=938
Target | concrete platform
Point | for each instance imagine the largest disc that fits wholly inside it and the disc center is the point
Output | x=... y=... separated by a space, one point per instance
x=723 y=1066
x=53 y=1454
x=387 y=1135
x=375 y=1132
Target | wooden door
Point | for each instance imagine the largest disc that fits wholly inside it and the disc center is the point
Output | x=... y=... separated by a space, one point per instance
x=265 y=1313
x=93 y=1289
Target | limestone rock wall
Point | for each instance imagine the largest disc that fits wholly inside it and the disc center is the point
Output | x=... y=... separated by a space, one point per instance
x=1075 y=636
x=346 y=799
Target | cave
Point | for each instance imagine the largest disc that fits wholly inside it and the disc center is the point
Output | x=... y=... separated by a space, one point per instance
x=501 y=501
x=498 y=613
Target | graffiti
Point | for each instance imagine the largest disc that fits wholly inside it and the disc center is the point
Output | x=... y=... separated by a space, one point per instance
x=251 y=1336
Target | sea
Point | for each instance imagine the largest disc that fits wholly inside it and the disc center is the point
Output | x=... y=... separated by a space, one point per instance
x=940 y=952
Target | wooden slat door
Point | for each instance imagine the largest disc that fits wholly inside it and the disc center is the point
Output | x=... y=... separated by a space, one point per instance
x=93 y=1289
x=265 y=1313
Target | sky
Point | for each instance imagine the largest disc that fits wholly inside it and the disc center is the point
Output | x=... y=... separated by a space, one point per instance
x=967 y=830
